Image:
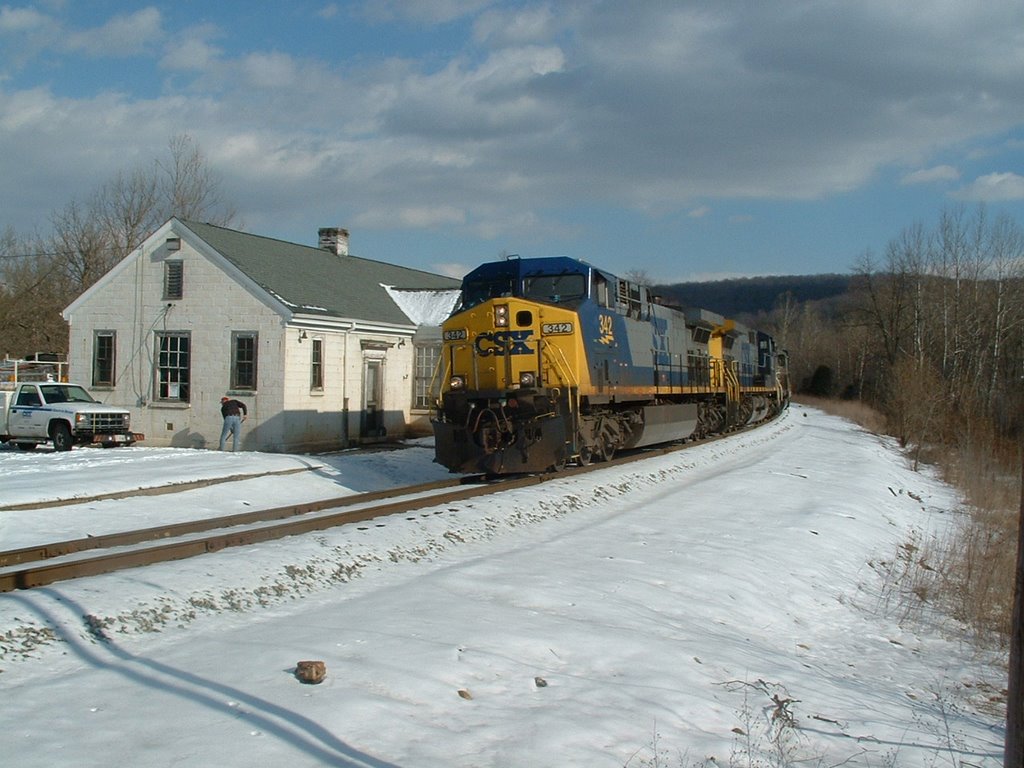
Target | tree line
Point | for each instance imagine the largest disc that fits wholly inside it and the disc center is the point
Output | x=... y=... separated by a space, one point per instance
x=931 y=332
x=42 y=274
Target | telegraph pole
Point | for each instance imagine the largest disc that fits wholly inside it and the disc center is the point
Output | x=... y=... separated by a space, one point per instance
x=1013 y=750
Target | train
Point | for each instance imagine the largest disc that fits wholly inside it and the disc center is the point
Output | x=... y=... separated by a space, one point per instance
x=550 y=361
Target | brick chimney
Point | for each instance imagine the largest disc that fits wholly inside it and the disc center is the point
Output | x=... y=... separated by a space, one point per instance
x=334 y=239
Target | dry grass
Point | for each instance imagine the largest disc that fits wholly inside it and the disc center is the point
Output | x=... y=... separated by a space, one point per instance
x=968 y=569
x=853 y=410
x=978 y=557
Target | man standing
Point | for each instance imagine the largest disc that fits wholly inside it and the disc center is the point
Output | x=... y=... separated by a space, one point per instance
x=234 y=413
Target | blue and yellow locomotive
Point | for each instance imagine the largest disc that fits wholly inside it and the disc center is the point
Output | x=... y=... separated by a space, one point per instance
x=552 y=360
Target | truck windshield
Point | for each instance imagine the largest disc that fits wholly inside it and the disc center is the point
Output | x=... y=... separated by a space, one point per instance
x=65 y=393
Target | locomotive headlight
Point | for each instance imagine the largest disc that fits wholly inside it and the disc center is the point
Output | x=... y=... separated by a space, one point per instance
x=527 y=379
x=457 y=382
x=501 y=315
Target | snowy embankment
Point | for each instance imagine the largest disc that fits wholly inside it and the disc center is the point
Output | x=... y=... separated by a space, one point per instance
x=718 y=603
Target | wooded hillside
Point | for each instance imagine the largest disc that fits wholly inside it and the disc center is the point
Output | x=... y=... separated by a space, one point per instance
x=752 y=295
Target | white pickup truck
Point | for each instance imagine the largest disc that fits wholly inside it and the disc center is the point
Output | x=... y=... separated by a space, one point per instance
x=62 y=414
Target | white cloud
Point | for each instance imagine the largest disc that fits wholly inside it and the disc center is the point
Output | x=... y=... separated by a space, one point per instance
x=192 y=51
x=993 y=187
x=329 y=11
x=122 y=35
x=21 y=20
x=538 y=109
x=270 y=70
x=521 y=26
x=26 y=110
x=426 y=11
x=411 y=217
x=451 y=269
x=931 y=175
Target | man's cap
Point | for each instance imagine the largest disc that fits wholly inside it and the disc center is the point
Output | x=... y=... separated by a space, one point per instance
x=225 y=399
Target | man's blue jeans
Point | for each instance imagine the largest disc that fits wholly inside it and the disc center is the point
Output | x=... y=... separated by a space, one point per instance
x=232 y=426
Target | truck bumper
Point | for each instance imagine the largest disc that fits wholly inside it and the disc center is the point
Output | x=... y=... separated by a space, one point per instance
x=127 y=438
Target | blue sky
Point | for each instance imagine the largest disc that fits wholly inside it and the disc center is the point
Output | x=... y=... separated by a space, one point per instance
x=689 y=140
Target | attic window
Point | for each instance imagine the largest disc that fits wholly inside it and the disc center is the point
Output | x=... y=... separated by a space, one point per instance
x=173 y=243
x=174 y=275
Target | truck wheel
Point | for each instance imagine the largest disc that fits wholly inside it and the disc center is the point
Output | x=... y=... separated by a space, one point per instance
x=60 y=434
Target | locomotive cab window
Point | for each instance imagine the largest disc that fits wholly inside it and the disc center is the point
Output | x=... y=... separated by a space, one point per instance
x=478 y=292
x=556 y=289
x=601 y=293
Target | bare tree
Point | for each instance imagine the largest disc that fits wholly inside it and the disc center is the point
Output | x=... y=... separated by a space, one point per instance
x=639 y=276
x=1006 y=274
x=32 y=285
x=914 y=405
x=89 y=237
x=126 y=209
x=885 y=300
x=80 y=243
x=189 y=188
x=783 y=317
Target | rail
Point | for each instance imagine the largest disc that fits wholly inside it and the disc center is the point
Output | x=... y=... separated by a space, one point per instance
x=58 y=561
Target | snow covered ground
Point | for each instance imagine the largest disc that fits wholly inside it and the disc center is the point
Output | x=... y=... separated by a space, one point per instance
x=724 y=605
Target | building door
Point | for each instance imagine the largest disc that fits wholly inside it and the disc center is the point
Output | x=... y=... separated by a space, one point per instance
x=373 y=400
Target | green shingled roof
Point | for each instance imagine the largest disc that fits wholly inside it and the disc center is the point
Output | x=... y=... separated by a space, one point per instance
x=316 y=281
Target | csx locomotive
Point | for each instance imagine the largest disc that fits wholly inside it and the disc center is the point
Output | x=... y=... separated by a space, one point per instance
x=551 y=360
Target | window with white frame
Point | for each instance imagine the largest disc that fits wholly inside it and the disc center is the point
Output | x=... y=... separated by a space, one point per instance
x=424 y=366
x=173 y=366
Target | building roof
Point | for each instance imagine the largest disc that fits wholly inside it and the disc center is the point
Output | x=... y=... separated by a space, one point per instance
x=317 y=281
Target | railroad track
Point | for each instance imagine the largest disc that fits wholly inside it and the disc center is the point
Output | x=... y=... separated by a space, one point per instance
x=44 y=564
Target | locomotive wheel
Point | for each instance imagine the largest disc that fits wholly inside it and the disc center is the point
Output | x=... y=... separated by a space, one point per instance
x=585 y=457
x=607 y=450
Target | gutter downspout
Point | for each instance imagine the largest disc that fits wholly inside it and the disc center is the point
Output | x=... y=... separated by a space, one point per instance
x=345 y=442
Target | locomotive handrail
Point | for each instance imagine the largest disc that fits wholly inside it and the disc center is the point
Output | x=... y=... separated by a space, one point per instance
x=440 y=367
x=732 y=383
x=573 y=399
x=724 y=377
x=566 y=375
x=476 y=364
